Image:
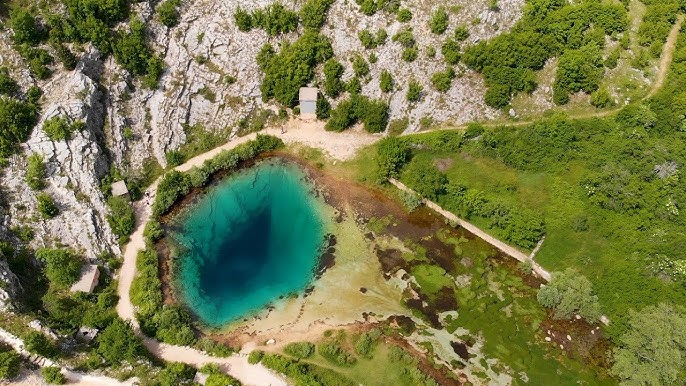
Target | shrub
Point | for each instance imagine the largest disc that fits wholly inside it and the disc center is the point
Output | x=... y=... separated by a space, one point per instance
x=392 y=154
x=323 y=108
x=601 y=98
x=410 y=54
x=461 y=33
x=275 y=19
x=414 y=91
x=300 y=350
x=451 y=51
x=176 y=373
x=168 y=13
x=10 y=363
x=372 y=113
x=64 y=55
x=243 y=20
x=58 y=128
x=220 y=379
x=367 y=39
x=360 y=66
x=117 y=343
x=37 y=343
x=570 y=293
x=405 y=38
x=53 y=376
x=25 y=27
x=336 y=355
x=439 y=21
x=16 y=121
x=443 y=80
x=174 y=158
x=62 y=266
x=578 y=70
x=46 y=206
x=404 y=15
x=425 y=179
x=122 y=220
x=364 y=345
x=7 y=85
x=255 y=356
x=35 y=171
x=280 y=81
x=386 y=81
x=333 y=70
x=313 y=13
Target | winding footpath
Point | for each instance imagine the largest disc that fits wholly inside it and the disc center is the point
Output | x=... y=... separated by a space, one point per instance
x=235 y=365
x=341 y=146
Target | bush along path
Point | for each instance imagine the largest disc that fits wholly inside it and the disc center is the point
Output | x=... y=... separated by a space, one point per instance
x=73 y=377
x=500 y=245
x=236 y=365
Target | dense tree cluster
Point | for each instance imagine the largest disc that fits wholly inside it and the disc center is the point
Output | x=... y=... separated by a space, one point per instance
x=578 y=70
x=425 y=179
x=653 y=350
x=659 y=17
x=372 y=113
x=122 y=220
x=275 y=19
x=293 y=67
x=549 y=28
x=570 y=293
x=10 y=363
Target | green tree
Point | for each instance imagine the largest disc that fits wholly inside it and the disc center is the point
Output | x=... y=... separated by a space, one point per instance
x=168 y=12
x=570 y=293
x=313 y=13
x=653 y=349
x=578 y=70
x=16 y=121
x=58 y=128
x=35 y=171
x=439 y=21
x=7 y=85
x=10 y=363
x=275 y=19
x=53 y=375
x=414 y=91
x=25 y=27
x=425 y=179
x=333 y=70
x=62 y=266
x=392 y=154
x=46 y=206
x=176 y=373
x=461 y=33
x=117 y=343
x=300 y=350
x=601 y=98
x=37 y=343
x=386 y=81
x=122 y=220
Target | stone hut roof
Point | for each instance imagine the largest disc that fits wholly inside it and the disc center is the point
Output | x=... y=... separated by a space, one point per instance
x=89 y=279
x=308 y=94
x=119 y=188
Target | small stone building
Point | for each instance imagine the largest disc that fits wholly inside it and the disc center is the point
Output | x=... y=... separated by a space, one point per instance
x=119 y=189
x=308 y=103
x=89 y=279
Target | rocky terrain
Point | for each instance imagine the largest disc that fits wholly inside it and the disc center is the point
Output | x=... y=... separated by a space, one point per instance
x=127 y=125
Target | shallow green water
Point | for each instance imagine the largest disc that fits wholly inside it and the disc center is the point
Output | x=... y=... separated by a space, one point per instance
x=250 y=239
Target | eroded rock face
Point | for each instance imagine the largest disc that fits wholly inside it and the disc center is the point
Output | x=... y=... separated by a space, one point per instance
x=206 y=47
x=10 y=288
x=74 y=167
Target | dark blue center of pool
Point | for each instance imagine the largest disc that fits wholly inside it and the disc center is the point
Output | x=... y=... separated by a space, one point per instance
x=250 y=239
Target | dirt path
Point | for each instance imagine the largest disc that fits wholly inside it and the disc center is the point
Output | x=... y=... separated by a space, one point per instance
x=339 y=146
x=666 y=58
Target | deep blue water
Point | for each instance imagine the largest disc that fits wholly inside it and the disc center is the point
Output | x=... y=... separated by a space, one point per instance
x=250 y=239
